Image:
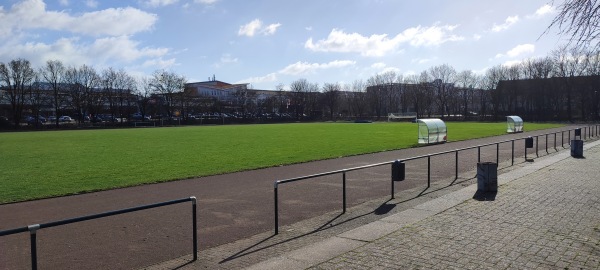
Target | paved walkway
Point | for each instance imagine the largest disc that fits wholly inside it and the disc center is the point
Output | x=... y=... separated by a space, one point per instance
x=546 y=215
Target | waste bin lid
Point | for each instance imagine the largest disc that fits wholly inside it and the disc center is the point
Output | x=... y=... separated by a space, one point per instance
x=487 y=163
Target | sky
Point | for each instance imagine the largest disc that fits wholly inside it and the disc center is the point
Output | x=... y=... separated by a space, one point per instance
x=270 y=42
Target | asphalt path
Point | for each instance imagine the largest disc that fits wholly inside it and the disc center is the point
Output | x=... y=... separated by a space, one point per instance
x=230 y=206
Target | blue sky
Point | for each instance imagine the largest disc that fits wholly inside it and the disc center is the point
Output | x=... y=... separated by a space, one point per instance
x=268 y=42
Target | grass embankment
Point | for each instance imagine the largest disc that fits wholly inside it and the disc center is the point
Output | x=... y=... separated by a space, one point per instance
x=44 y=164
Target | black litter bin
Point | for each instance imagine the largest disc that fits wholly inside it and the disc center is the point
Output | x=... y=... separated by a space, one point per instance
x=577 y=148
x=487 y=177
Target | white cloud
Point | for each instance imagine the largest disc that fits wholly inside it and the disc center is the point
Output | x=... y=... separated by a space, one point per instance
x=518 y=51
x=271 y=77
x=308 y=28
x=378 y=65
x=91 y=3
x=256 y=26
x=206 y=2
x=32 y=14
x=390 y=69
x=72 y=52
x=543 y=11
x=423 y=60
x=159 y=3
x=64 y=2
x=271 y=29
x=225 y=59
x=476 y=37
x=250 y=28
x=300 y=68
x=507 y=24
x=379 y=45
x=512 y=63
x=159 y=63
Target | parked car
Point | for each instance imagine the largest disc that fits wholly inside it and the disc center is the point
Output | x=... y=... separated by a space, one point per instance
x=31 y=120
x=65 y=118
x=138 y=117
x=51 y=118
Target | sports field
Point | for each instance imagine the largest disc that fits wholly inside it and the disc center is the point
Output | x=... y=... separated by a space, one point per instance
x=37 y=165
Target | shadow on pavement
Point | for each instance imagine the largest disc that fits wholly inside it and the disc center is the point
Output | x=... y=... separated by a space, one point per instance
x=485 y=196
x=382 y=209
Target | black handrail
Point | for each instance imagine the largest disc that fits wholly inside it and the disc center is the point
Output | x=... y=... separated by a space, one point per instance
x=32 y=229
x=428 y=156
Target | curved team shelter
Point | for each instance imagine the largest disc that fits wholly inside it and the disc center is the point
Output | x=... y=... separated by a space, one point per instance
x=514 y=124
x=432 y=131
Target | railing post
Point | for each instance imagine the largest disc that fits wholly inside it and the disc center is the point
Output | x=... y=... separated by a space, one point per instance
x=555 y=142
x=456 y=165
x=33 y=242
x=478 y=154
x=276 y=210
x=428 y=171
x=537 y=139
x=569 y=138
x=562 y=138
x=512 y=153
x=498 y=153
x=194 y=227
x=525 y=144
x=393 y=188
x=344 y=191
x=546 y=143
x=587 y=129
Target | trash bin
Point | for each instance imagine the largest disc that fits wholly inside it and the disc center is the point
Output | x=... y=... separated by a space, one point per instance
x=529 y=142
x=487 y=177
x=577 y=148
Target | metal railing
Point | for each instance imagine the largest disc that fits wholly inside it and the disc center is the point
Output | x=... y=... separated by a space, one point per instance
x=589 y=130
x=32 y=229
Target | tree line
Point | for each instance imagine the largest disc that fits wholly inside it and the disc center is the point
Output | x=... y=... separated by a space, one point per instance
x=441 y=91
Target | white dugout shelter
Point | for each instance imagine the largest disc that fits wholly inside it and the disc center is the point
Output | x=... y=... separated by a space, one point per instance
x=514 y=124
x=432 y=131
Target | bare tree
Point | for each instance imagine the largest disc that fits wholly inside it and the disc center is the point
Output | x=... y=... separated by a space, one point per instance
x=37 y=98
x=331 y=96
x=124 y=87
x=581 y=20
x=567 y=65
x=443 y=77
x=143 y=93
x=81 y=82
x=466 y=80
x=16 y=77
x=167 y=85
x=298 y=96
x=492 y=77
x=376 y=95
x=358 y=98
x=53 y=73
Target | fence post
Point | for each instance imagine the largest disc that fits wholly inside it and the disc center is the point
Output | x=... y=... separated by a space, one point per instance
x=546 y=144
x=276 y=210
x=194 y=227
x=569 y=137
x=498 y=153
x=537 y=139
x=562 y=138
x=344 y=191
x=33 y=242
x=428 y=171
x=525 y=144
x=512 y=153
x=555 y=142
x=478 y=154
x=456 y=165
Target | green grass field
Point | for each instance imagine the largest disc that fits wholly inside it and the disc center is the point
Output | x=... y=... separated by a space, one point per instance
x=37 y=165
